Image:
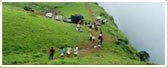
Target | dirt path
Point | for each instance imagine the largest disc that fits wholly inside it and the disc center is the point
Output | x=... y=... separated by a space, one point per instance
x=86 y=45
x=90 y=12
x=89 y=46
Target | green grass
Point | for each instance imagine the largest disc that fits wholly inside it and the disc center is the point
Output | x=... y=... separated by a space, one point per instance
x=27 y=37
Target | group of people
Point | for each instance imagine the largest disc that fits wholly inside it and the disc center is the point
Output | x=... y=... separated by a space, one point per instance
x=92 y=37
x=95 y=25
x=91 y=26
x=62 y=52
x=100 y=40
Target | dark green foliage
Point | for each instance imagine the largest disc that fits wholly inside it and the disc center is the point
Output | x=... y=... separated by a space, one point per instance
x=144 y=56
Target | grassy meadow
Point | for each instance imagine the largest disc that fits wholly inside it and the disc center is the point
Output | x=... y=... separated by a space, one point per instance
x=27 y=37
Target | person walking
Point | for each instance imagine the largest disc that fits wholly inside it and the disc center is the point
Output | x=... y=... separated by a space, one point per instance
x=68 y=51
x=93 y=38
x=90 y=37
x=75 y=51
x=52 y=51
x=100 y=37
x=62 y=52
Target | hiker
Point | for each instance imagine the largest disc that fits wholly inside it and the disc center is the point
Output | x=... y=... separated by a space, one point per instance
x=90 y=38
x=100 y=38
x=95 y=46
x=77 y=27
x=52 y=51
x=68 y=51
x=93 y=38
x=75 y=51
x=62 y=52
x=104 y=21
x=101 y=34
x=49 y=14
x=98 y=19
x=99 y=43
x=90 y=28
x=93 y=26
x=88 y=24
x=80 y=29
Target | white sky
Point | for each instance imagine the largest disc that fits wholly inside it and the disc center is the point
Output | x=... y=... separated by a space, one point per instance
x=143 y=23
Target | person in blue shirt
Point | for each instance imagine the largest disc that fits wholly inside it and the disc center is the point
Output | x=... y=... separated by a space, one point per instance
x=62 y=52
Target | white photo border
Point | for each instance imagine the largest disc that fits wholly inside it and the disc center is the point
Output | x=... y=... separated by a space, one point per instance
x=83 y=1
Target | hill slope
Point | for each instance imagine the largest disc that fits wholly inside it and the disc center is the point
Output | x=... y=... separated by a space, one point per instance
x=27 y=37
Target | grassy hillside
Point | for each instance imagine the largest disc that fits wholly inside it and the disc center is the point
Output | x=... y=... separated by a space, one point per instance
x=27 y=37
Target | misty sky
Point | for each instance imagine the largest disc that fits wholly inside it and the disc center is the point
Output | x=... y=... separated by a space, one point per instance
x=143 y=23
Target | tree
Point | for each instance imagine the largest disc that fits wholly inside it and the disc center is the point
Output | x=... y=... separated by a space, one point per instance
x=144 y=56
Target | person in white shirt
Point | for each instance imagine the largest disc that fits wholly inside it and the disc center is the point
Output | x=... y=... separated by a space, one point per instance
x=93 y=26
x=98 y=18
x=78 y=27
x=90 y=38
x=75 y=51
x=68 y=51
x=101 y=34
x=93 y=38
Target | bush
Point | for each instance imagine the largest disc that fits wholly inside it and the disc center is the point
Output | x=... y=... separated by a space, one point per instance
x=144 y=56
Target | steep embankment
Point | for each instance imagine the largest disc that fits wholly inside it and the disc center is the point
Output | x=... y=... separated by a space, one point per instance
x=27 y=37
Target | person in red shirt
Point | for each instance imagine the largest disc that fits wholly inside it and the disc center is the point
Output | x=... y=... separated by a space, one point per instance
x=52 y=51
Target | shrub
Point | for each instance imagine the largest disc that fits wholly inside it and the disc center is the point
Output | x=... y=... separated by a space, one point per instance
x=144 y=56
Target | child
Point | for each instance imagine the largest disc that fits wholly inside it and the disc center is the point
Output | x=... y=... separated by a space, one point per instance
x=76 y=51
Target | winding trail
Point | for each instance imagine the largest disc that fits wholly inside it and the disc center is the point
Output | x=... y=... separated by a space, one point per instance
x=89 y=47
